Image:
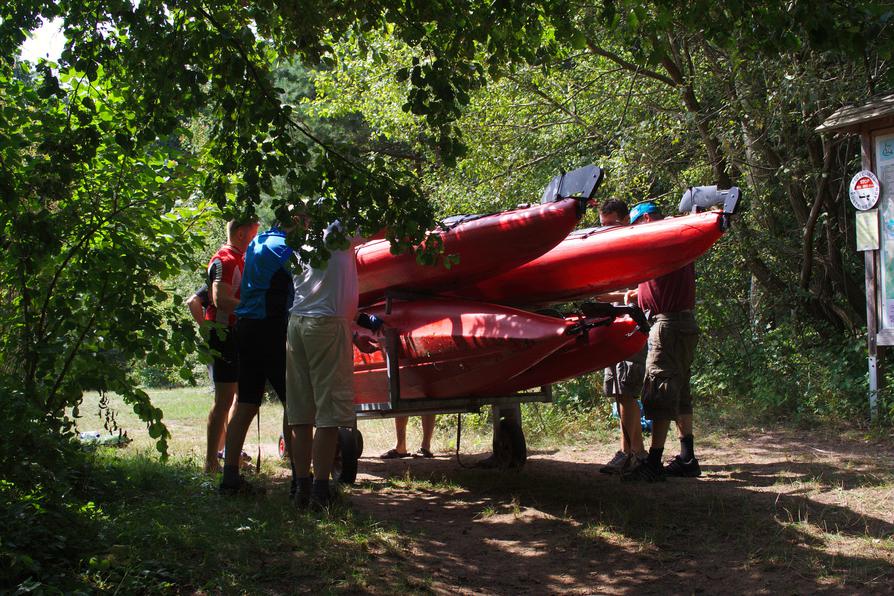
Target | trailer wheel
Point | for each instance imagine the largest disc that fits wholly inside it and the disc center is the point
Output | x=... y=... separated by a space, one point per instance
x=359 y=439
x=510 y=450
x=350 y=445
x=281 y=447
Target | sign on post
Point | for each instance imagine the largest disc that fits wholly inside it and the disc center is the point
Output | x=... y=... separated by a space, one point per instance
x=867 y=230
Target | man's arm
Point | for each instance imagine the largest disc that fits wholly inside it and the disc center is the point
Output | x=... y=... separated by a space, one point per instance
x=623 y=296
x=224 y=297
x=194 y=303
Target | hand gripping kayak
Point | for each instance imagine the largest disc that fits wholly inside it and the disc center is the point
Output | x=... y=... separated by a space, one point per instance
x=611 y=311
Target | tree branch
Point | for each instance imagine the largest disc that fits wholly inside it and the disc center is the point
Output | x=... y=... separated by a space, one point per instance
x=807 y=242
x=598 y=51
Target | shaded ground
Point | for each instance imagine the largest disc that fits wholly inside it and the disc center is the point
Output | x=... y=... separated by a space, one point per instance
x=779 y=512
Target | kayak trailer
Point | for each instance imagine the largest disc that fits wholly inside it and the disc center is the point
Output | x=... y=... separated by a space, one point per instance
x=509 y=446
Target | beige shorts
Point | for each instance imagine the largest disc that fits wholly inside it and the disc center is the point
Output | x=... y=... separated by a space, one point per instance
x=319 y=372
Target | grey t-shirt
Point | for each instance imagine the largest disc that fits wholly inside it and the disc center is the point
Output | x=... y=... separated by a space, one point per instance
x=332 y=291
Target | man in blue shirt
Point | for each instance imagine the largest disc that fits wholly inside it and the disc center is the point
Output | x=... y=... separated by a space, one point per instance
x=266 y=296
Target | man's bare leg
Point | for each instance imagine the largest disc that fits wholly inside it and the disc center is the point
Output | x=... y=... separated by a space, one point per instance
x=325 y=442
x=302 y=441
x=400 y=431
x=428 y=429
x=688 y=463
x=235 y=435
x=684 y=424
x=632 y=439
x=224 y=395
x=223 y=436
x=659 y=433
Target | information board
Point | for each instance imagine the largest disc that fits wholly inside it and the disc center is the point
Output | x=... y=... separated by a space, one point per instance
x=884 y=170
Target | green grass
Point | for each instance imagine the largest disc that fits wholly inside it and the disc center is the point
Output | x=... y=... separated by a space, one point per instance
x=157 y=527
x=135 y=524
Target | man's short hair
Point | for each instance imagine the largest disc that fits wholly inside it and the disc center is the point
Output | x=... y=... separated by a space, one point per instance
x=616 y=206
x=235 y=224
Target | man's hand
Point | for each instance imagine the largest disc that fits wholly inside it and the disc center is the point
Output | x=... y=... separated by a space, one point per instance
x=366 y=343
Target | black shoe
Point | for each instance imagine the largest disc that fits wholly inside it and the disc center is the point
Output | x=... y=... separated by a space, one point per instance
x=684 y=469
x=243 y=487
x=315 y=503
x=301 y=500
x=644 y=472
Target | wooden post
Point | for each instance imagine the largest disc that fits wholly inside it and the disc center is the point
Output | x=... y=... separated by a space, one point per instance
x=872 y=297
x=872 y=333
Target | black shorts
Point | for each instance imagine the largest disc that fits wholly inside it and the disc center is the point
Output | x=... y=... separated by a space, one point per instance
x=225 y=368
x=626 y=377
x=262 y=358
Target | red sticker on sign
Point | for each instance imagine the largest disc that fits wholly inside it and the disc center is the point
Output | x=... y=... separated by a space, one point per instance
x=864 y=190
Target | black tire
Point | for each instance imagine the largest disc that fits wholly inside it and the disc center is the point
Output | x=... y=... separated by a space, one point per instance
x=510 y=449
x=281 y=447
x=359 y=438
x=344 y=468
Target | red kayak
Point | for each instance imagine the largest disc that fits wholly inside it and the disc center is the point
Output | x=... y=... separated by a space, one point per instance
x=486 y=245
x=593 y=261
x=600 y=347
x=453 y=348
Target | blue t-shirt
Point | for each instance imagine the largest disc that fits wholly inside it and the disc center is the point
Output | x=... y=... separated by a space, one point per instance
x=266 y=290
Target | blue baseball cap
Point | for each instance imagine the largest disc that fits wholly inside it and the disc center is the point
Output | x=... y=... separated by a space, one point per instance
x=642 y=209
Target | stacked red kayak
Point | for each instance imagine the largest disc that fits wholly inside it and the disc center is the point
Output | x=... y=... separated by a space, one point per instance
x=485 y=245
x=450 y=348
x=469 y=338
x=598 y=260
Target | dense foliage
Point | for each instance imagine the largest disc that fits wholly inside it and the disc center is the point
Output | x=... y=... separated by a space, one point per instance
x=161 y=116
x=664 y=97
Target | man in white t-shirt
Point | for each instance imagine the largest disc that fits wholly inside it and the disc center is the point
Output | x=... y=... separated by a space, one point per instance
x=319 y=366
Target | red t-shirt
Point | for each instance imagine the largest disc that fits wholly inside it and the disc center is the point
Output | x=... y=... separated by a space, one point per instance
x=225 y=267
x=673 y=292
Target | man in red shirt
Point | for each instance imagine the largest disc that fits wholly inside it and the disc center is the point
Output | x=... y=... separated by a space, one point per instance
x=669 y=301
x=224 y=279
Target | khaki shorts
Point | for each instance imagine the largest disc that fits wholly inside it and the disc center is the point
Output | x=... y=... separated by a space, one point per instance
x=320 y=372
x=672 y=341
x=626 y=377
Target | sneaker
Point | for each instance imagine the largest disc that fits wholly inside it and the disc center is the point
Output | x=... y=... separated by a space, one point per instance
x=243 y=487
x=644 y=472
x=683 y=469
x=617 y=464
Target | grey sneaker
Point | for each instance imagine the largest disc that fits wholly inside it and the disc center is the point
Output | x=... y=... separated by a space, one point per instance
x=617 y=464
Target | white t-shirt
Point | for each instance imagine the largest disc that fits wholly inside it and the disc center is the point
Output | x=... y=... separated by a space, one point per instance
x=331 y=291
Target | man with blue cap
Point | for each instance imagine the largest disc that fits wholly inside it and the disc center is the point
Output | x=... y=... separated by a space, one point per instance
x=623 y=380
x=670 y=302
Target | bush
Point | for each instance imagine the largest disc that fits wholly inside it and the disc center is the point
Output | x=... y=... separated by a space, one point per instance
x=790 y=371
x=45 y=530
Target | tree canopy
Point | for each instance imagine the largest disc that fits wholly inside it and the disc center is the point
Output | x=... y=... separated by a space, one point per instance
x=160 y=115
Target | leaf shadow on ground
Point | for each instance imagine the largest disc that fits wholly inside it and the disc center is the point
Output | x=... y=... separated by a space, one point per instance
x=560 y=526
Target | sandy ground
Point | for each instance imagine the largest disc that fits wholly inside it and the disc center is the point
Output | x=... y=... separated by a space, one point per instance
x=774 y=512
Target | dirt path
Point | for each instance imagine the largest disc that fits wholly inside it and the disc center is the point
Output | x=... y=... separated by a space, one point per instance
x=781 y=512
